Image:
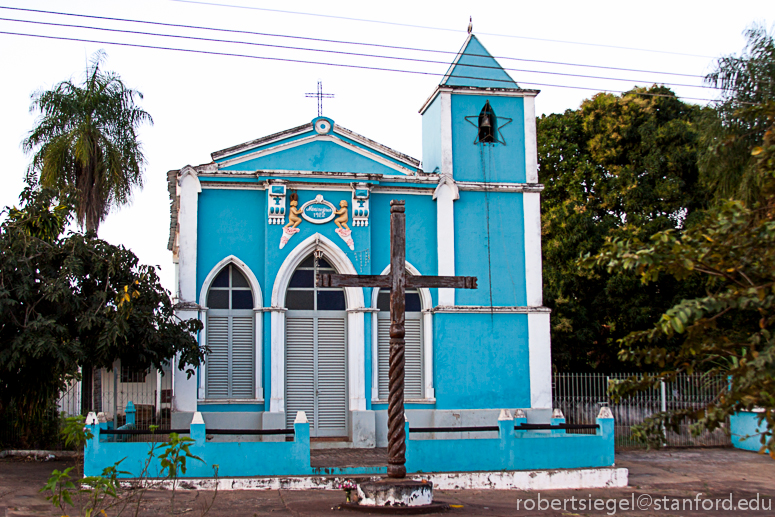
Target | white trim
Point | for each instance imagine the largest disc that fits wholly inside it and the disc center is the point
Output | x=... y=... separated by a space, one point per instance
x=478 y=90
x=354 y=299
x=316 y=138
x=540 y=359
x=445 y=238
x=446 y=134
x=531 y=141
x=356 y=367
x=426 y=302
x=423 y=188
x=531 y=206
x=258 y=308
x=188 y=187
x=535 y=480
x=455 y=61
x=479 y=186
x=202 y=370
x=488 y=309
x=380 y=148
x=258 y=299
x=308 y=128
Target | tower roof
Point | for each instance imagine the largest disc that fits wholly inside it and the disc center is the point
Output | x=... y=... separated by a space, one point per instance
x=474 y=66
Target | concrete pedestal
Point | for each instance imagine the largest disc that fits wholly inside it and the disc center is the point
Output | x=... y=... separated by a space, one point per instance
x=400 y=496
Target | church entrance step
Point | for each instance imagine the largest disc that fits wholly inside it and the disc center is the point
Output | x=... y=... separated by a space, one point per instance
x=349 y=457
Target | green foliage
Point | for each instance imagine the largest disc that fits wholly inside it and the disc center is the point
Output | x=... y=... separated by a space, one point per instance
x=100 y=491
x=736 y=124
x=74 y=432
x=173 y=461
x=86 y=141
x=618 y=166
x=729 y=329
x=176 y=453
x=76 y=301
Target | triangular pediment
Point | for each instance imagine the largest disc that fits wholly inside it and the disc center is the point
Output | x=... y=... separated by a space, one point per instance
x=320 y=146
x=475 y=67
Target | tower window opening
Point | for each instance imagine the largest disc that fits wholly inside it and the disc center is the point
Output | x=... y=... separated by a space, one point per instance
x=487 y=127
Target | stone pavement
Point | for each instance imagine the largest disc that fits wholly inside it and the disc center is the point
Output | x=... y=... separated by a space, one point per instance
x=657 y=479
x=349 y=457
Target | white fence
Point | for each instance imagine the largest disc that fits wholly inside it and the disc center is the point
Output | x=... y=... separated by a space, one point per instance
x=150 y=392
x=581 y=395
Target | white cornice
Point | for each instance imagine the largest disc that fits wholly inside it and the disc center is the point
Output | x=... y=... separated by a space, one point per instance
x=489 y=309
x=479 y=90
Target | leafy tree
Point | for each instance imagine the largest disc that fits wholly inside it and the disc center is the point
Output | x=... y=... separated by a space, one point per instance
x=619 y=165
x=735 y=125
x=76 y=301
x=86 y=141
x=730 y=329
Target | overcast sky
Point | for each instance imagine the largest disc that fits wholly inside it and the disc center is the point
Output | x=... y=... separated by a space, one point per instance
x=202 y=103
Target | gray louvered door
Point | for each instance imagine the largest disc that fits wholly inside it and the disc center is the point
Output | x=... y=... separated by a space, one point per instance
x=243 y=362
x=331 y=377
x=316 y=371
x=218 y=359
x=413 y=384
x=300 y=369
x=231 y=361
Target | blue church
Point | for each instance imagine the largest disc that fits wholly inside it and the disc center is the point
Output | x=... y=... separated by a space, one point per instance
x=251 y=229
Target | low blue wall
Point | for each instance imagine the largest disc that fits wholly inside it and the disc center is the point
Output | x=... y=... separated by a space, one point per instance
x=746 y=431
x=515 y=450
x=234 y=459
x=512 y=450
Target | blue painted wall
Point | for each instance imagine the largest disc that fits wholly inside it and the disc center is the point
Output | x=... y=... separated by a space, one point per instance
x=420 y=232
x=230 y=222
x=476 y=67
x=746 y=430
x=500 y=250
x=316 y=156
x=481 y=361
x=431 y=137
x=488 y=162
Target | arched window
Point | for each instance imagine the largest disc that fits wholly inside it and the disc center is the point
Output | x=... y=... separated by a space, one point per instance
x=413 y=352
x=231 y=361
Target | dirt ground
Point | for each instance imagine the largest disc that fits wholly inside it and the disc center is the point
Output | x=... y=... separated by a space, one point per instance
x=662 y=483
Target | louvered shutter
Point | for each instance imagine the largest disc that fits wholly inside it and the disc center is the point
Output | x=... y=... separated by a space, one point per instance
x=332 y=375
x=217 y=362
x=413 y=360
x=383 y=356
x=413 y=386
x=243 y=361
x=299 y=369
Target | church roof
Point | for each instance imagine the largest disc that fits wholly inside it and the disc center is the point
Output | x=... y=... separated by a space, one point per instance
x=475 y=67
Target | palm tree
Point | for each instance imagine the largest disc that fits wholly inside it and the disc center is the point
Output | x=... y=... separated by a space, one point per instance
x=86 y=142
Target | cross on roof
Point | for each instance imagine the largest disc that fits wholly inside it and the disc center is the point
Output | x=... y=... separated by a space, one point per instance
x=320 y=96
x=397 y=282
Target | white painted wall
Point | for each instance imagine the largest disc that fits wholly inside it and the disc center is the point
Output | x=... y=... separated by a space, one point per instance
x=540 y=353
x=184 y=387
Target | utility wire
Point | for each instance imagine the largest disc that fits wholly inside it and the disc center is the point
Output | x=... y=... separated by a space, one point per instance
x=338 y=52
x=446 y=29
x=322 y=40
x=341 y=65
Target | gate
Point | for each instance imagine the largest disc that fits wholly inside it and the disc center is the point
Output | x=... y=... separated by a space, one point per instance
x=581 y=395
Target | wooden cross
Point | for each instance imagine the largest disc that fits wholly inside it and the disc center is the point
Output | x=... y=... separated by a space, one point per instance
x=397 y=282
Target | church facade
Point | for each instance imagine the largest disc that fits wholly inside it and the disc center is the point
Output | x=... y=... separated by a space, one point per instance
x=252 y=229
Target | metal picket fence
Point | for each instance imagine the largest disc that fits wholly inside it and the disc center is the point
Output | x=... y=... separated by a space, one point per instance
x=150 y=392
x=581 y=395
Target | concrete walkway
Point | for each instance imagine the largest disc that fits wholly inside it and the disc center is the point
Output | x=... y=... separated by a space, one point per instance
x=657 y=479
